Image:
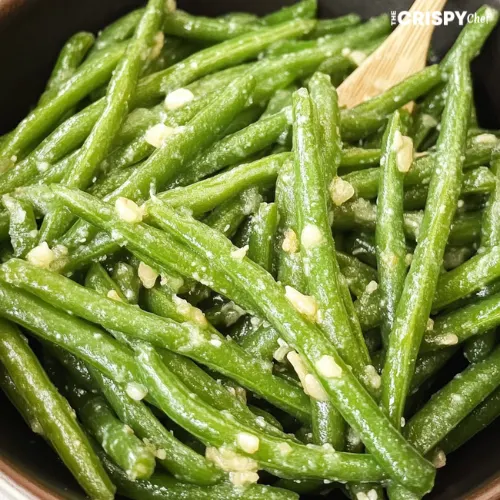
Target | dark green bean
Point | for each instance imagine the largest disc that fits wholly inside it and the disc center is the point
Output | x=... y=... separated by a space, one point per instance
x=482 y=416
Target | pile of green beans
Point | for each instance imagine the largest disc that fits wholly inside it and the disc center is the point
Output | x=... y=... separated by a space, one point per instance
x=208 y=267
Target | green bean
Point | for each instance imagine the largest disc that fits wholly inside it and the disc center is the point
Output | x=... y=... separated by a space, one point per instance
x=23 y=229
x=461 y=324
x=397 y=152
x=108 y=183
x=477 y=181
x=310 y=136
x=334 y=26
x=15 y=397
x=446 y=409
x=454 y=402
x=452 y=286
x=53 y=413
x=356 y=405
x=360 y=214
x=125 y=276
x=236 y=148
x=367 y=117
x=468 y=278
x=164 y=487
x=278 y=317
x=304 y=9
x=184 y=463
x=174 y=50
x=482 y=416
x=118 y=97
x=126 y=449
x=429 y=364
x=291 y=67
x=317 y=246
x=357 y=37
x=120 y=30
x=208 y=193
x=180 y=460
x=184 y=25
x=359 y=158
x=153 y=88
x=187 y=339
x=262 y=341
x=217 y=430
x=215 y=58
x=152 y=174
x=365 y=182
x=159 y=302
x=262 y=233
x=416 y=300
x=68 y=61
x=214 y=394
x=85 y=341
x=279 y=101
x=228 y=216
x=289 y=260
x=468 y=43
x=477 y=348
x=99 y=280
x=357 y=274
x=208 y=123
x=240 y=17
x=43 y=118
x=139 y=148
x=326 y=108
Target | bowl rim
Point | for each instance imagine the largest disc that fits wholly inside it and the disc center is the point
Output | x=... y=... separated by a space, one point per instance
x=488 y=490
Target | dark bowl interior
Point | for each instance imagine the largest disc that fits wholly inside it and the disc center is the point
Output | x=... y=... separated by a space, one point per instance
x=31 y=34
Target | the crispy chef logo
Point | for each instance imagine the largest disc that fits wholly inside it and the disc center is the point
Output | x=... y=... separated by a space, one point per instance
x=437 y=18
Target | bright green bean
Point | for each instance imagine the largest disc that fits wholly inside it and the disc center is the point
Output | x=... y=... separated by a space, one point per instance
x=416 y=300
x=43 y=118
x=164 y=487
x=23 y=229
x=187 y=339
x=126 y=449
x=53 y=413
x=68 y=61
x=229 y=215
x=118 y=96
x=262 y=234
x=389 y=233
x=357 y=407
x=208 y=193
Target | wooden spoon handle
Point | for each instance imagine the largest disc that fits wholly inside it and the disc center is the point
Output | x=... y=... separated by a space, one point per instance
x=401 y=55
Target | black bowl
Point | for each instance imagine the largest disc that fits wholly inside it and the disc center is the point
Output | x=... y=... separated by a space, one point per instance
x=31 y=34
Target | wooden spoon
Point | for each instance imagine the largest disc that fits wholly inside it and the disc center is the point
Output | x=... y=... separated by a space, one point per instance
x=401 y=55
